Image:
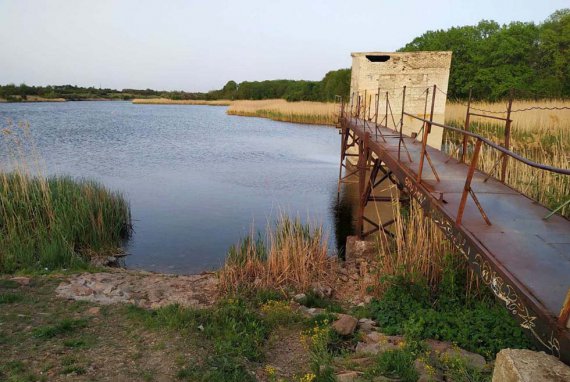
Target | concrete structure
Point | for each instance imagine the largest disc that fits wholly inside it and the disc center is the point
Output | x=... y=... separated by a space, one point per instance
x=521 y=365
x=390 y=72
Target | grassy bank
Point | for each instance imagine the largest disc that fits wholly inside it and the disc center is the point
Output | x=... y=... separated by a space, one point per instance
x=320 y=113
x=57 y=222
x=166 y=101
x=31 y=99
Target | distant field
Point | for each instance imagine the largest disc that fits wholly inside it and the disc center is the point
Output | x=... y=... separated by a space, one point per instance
x=165 y=101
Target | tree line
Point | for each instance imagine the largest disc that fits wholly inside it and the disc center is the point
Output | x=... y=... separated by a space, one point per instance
x=489 y=59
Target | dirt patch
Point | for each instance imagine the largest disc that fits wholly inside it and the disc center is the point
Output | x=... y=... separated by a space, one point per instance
x=144 y=289
x=286 y=354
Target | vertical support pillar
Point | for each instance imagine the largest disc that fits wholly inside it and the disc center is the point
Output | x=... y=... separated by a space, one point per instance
x=401 y=121
x=362 y=165
x=427 y=130
x=467 y=187
x=466 y=128
x=507 y=144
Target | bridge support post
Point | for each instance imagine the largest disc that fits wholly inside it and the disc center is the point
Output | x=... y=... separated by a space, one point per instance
x=363 y=156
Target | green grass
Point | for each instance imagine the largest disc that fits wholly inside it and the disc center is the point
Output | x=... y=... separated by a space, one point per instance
x=57 y=222
x=9 y=298
x=395 y=364
x=312 y=300
x=233 y=329
x=476 y=323
x=65 y=326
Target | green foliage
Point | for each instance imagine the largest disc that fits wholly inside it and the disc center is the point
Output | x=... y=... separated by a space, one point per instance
x=236 y=332
x=51 y=223
x=9 y=298
x=491 y=59
x=475 y=323
x=312 y=300
x=395 y=364
x=65 y=326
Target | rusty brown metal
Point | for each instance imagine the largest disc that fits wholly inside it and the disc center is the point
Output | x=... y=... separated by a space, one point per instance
x=468 y=179
x=518 y=257
x=564 y=317
x=402 y=121
x=507 y=138
x=466 y=127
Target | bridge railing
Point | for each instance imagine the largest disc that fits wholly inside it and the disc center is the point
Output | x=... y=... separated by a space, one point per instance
x=360 y=110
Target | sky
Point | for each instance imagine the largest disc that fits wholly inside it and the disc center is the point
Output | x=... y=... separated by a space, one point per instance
x=200 y=45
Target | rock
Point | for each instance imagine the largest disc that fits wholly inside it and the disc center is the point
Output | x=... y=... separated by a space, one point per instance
x=322 y=291
x=366 y=325
x=299 y=297
x=519 y=365
x=94 y=311
x=348 y=376
x=438 y=346
x=475 y=361
x=21 y=280
x=345 y=324
x=343 y=278
x=147 y=290
x=359 y=249
x=427 y=373
x=374 y=347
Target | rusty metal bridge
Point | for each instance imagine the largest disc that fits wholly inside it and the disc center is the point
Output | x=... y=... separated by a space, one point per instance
x=519 y=248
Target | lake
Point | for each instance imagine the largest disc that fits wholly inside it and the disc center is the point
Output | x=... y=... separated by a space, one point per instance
x=197 y=179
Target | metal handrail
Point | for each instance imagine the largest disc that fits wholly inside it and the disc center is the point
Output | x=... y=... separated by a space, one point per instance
x=495 y=146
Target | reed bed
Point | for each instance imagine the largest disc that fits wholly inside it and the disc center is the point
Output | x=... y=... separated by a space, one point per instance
x=53 y=222
x=542 y=136
x=319 y=113
x=293 y=255
x=166 y=101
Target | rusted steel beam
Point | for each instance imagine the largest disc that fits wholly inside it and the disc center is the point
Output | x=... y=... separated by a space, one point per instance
x=507 y=139
x=402 y=121
x=467 y=187
x=542 y=325
x=489 y=116
x=497 y=147
x=564 y=317
x=466 y=128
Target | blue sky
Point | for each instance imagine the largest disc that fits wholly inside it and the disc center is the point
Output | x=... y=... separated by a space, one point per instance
x=200 y=45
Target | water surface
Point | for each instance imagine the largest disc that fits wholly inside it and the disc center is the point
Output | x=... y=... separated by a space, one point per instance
x=196 y=178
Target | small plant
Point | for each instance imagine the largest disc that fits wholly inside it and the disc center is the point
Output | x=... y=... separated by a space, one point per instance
x=397 y=363
x=66 y=326
x=9 y=298
x=277 y=313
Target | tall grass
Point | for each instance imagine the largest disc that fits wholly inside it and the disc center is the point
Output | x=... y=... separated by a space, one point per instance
x=57 y=222
x=292 y=255
x=320 y=113
x=542 y=136
x=54 y=222
x=166 y=101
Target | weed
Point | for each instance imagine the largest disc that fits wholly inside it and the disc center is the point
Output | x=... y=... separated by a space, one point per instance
x=9 y=298
x=313 y=300
x=66 y=326
x=397 y=363
x=279 y=313
x=9 y=284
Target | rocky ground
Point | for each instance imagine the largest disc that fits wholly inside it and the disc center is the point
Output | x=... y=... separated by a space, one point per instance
x=83 y=327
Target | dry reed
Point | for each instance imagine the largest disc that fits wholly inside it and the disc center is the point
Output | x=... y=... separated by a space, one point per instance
x=542 y=136
x=166 y=101
x=320 y=113
x=292 y=256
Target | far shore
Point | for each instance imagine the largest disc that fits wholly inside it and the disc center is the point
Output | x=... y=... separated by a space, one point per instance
x=166 y=101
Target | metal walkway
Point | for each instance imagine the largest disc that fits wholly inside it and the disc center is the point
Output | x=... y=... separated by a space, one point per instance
x=522 y=257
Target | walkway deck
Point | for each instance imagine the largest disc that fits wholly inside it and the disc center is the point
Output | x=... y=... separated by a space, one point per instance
x=523 y=258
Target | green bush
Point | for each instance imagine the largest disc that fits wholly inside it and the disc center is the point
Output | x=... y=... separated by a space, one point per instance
x=57 y=222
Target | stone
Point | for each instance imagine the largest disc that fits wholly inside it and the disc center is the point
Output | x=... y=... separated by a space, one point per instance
x=427 y=373
x=473 y=360
x=359 y=249
x=322 y=291
x=23 y=281
x=521 y=365
x=144 y=289
x=345 y=324
x=299 y=297
x=348 y=376
x=366 y=325
x=374 y=347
